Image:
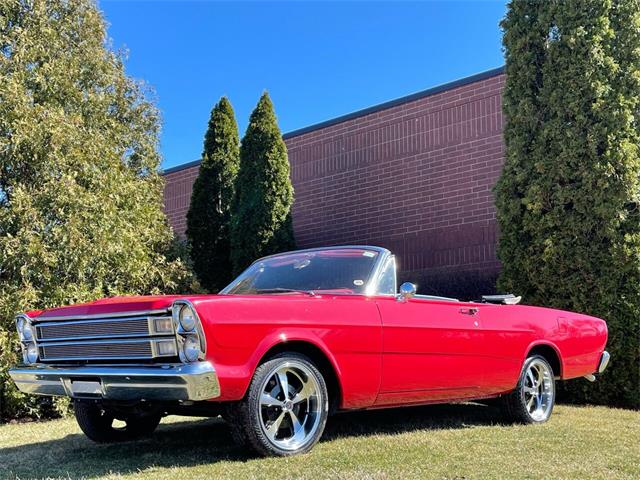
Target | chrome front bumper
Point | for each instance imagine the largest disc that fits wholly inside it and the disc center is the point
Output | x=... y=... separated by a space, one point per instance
x=193 y=381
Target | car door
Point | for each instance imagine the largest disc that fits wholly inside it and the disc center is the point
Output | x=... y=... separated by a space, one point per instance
x=432 y=350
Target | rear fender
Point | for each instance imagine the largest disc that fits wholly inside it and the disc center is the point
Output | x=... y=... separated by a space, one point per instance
x=554 y=347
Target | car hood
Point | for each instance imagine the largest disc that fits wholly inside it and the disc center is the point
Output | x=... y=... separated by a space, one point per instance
x=112 y=305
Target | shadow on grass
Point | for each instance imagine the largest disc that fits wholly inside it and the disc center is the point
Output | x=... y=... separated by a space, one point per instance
x=208 y=441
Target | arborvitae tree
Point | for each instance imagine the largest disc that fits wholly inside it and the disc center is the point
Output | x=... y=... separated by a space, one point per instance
x=80 y=195
x=209 y=213
x=569 y=196
x=261 y=221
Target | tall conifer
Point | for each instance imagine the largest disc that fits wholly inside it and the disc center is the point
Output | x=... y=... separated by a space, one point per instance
x=569 y=196
x=261 y=223
x=209 y=212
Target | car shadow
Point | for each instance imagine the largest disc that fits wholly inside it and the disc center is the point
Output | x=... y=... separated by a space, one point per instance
x=206 y=441
x=408 y=419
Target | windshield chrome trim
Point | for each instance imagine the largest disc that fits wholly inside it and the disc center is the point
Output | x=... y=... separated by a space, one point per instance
x=374 y=279
x=372 y=283
x=375 y=283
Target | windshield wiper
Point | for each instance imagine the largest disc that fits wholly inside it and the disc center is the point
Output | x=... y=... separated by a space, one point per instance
x=284 y=290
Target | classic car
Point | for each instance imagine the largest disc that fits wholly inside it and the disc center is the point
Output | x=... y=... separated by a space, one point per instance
x=295 y=337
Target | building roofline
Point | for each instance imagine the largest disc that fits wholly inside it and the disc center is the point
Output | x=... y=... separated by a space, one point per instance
x=374 y=108
x=182 y=166
x=398 y=101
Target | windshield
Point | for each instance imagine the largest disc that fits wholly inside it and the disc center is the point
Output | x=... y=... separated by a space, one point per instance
x=341 y=270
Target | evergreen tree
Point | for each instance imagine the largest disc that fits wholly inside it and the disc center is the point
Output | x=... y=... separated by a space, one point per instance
x=80 y=195
x=261 y=222
x=569 y=196
x=209 y=213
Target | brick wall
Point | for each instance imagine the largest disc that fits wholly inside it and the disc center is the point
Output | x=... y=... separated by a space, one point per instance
x=414 y=175
x=177 y=194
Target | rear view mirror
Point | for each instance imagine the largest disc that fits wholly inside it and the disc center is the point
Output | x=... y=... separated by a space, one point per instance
x=407 y=290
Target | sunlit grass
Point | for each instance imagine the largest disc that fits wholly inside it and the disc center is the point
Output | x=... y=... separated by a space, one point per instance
x=440 y=442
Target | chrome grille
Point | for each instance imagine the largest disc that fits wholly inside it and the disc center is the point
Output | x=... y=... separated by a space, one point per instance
x=122 y=336
x=111 y=328
x=134 y=350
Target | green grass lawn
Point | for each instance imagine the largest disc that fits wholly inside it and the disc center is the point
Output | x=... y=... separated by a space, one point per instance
x=442 y=442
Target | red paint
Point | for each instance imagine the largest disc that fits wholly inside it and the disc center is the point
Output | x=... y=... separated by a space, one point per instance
x=384 y=352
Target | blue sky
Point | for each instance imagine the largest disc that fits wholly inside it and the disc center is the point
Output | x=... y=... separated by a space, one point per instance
x=317 y=60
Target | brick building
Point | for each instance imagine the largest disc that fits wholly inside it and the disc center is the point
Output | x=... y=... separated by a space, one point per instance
x=414 y=175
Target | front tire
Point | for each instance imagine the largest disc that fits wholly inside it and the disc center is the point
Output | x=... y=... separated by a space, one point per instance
x=97 y=423
x=286 y=407
x=534 y=397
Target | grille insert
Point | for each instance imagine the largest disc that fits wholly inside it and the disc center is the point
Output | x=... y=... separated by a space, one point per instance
x=97 y=350
x=109 y=328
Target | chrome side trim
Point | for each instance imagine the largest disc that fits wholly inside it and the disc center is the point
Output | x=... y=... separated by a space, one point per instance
x=194 y=381
x=139 y=313
x=604 y=361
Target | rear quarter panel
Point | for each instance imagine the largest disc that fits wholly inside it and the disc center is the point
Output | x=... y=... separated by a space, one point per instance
x=578 y=339
x=241 y=329
x=581 y=340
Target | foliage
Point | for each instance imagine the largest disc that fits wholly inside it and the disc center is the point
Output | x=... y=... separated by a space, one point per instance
x=80 y=194
x=568 y=198
x=261 y=220
x=209 y=212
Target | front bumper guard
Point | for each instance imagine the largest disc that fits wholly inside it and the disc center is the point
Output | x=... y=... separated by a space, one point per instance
x=193 y=381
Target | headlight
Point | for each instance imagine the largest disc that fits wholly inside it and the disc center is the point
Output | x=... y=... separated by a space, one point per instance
x=192 y=344
x=25 y=332
x=187 y=318
x=31 y=353
x=191 y=348
x=24 y=329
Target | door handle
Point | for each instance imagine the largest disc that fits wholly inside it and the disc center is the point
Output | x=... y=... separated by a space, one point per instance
x=468 y=311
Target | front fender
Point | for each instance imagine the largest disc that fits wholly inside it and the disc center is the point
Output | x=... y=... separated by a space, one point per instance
x=235 y=379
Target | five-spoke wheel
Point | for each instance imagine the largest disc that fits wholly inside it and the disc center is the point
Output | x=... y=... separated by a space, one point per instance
x=285 y=409
x=290 y=405
x=533 y=399
x=538 y=389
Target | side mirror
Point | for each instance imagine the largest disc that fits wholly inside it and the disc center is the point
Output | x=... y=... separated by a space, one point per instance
x=407 y=290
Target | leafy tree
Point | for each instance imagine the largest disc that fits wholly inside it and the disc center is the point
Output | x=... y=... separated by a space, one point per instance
x=261 y=221
x=80 y=194
x=209 y=213
x=569 y=196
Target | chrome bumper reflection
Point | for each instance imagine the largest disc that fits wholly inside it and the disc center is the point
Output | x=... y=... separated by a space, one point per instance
x=194 y=381
x=604 y=361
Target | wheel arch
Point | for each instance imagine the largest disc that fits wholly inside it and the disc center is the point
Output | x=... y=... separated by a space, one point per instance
x=551 y=354
x=321 y=358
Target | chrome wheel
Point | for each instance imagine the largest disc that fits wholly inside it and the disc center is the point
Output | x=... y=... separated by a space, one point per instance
x=538 y=390
x=290 y=406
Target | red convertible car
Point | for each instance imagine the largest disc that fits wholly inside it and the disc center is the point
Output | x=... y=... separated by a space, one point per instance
x=295 y=337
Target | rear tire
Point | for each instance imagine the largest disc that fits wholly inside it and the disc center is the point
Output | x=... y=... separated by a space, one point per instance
x=97 y=423
x=533 y=399
x=285 y=409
